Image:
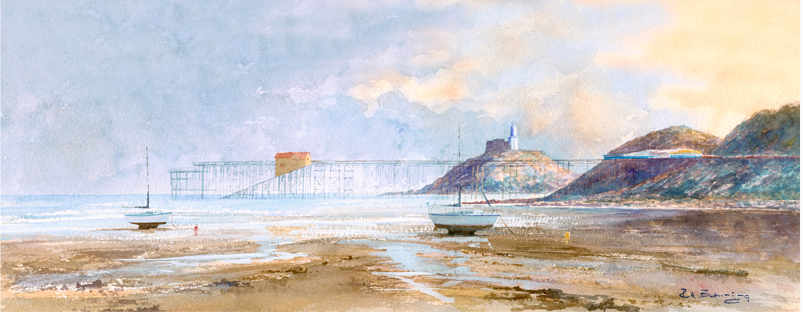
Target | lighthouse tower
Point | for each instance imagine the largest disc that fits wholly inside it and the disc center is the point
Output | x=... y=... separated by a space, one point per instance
x=513 y=139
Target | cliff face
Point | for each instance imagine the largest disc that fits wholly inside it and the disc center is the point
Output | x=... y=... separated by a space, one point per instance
x=670 y=138
x=768 y=132
x=738 y=175
x=737 y=178
x=515 y=170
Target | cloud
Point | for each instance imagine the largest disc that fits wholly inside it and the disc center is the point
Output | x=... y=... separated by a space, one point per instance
x=731 y=58
x=370 y=92
x=431 y=58
x=529 y=64
x=434 y=90
x=86 y=86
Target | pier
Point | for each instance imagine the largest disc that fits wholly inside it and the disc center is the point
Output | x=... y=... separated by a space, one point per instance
x=256 y=179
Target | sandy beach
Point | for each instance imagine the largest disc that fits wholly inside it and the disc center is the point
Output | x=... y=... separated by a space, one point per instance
x=534 y=259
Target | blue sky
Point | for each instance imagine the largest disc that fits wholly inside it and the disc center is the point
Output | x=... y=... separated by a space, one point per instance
x=87 y=85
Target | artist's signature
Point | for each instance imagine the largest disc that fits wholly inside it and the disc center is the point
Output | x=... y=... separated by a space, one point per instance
x=729 y=298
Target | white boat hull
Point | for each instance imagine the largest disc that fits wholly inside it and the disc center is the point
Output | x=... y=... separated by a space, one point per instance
x=463 y=224
x=148 y=220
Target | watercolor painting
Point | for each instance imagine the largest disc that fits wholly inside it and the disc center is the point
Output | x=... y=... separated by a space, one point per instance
x=429 y=155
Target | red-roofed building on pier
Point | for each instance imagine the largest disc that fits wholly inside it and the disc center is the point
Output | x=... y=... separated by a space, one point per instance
x=287 y=162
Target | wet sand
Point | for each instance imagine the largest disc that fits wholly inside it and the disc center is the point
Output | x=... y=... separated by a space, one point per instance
x=534 y=259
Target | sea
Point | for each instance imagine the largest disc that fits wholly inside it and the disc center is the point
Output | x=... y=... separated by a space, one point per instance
x=25 y=216
x=66 y=215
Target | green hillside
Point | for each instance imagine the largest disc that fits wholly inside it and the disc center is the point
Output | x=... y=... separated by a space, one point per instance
x=768 y=132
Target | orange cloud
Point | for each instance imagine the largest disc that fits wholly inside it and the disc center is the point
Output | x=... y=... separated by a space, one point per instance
x=435 y=91
x=370 y=92
x=596 y=119
x=739 y=56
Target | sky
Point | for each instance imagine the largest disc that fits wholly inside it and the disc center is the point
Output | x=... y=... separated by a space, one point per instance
x=88 y=85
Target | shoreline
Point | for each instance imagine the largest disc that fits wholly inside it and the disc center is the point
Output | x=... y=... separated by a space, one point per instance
x=333 y=263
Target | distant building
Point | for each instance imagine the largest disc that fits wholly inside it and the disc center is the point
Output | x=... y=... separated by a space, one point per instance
x=685 y=153
x=287 y=162
x=670 y=153
x=501 y=145
x=513 y=139
x=497 y=146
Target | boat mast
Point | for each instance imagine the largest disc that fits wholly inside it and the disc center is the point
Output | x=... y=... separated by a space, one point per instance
x=459 y=159
x=459 y=197
x=147 y=177
x=459 y=143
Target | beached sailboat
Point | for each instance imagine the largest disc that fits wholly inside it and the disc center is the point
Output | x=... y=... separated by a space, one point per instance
x=148 y=219
x=461 y=221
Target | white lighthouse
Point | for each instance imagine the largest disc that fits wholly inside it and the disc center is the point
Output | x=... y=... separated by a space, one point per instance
x=513 y=139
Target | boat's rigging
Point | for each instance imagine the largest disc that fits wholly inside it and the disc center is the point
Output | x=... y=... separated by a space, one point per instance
x=147 y=180
x=486 y=200
x=149 y=219
x=510 y=230
x=147 y=177
x=459 y=220
x=449 y=177
x=459 y=192
x=459 y=143
x=166 y=204
x=459 y=161
x=500 y=218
